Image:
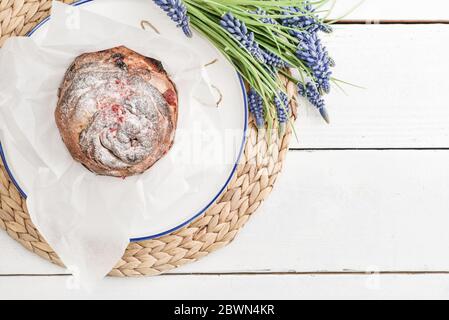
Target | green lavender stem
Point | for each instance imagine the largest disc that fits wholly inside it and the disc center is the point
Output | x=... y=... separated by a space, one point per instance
x=274 y=38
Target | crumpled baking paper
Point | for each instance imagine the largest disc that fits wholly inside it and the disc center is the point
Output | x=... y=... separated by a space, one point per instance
x=87 y=219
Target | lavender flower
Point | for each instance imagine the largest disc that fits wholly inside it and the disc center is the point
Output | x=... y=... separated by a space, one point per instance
x=177 y=11
x=270 y=58
x=240 y=32
x=274 y=60
x=302 y=21
x=265 y=19
x=282 y=107
x=315 y=56
x=255 y=102
x=312 y=94
x=326 y=28
x=306 y=20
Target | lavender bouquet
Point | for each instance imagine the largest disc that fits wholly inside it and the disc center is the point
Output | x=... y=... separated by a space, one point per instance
x=263 y=39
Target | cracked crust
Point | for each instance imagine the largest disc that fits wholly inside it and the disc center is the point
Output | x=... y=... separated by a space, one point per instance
x=117 y=111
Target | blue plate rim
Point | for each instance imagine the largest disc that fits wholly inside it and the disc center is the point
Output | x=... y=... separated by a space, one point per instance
x=245 y=129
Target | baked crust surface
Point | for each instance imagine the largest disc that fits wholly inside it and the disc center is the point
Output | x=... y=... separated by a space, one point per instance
x=117 y=111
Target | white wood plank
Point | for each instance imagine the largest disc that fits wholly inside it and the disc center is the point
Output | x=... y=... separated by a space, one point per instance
x=235 y=287
x=331 y=211
x=374 y=10
x=361 y=210
x=405 y=103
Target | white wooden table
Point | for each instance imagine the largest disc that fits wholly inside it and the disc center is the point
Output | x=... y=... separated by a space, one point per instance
x=362 y=209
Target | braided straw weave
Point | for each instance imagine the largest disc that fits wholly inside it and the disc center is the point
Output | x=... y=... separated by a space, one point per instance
x=257 y=172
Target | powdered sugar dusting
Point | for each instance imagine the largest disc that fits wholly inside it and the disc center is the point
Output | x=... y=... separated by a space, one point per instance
x=127 y=118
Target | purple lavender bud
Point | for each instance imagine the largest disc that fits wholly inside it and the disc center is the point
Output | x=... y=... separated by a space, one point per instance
x=240 y=32
x=266 y=19
x=270 y=58
x=326 y=28
x=307 y=20
x=274 y=60
x=310 y=91
x=282 y=107
x=315 y=56
x=177 y=11
x=256 y=103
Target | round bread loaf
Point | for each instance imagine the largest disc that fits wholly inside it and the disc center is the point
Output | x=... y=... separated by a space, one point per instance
x=117 y=111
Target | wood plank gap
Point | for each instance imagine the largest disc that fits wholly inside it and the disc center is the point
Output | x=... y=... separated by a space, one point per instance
x=314 y=273
x=390 y=22
x=369 y=149
x=292 y=273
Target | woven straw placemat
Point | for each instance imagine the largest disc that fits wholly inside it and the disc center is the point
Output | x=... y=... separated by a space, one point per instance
x=253 y=181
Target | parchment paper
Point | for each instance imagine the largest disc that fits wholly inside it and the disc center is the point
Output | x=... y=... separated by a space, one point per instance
x=86 y=218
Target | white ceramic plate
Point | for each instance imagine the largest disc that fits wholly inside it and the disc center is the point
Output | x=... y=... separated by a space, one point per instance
x=232 y=115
